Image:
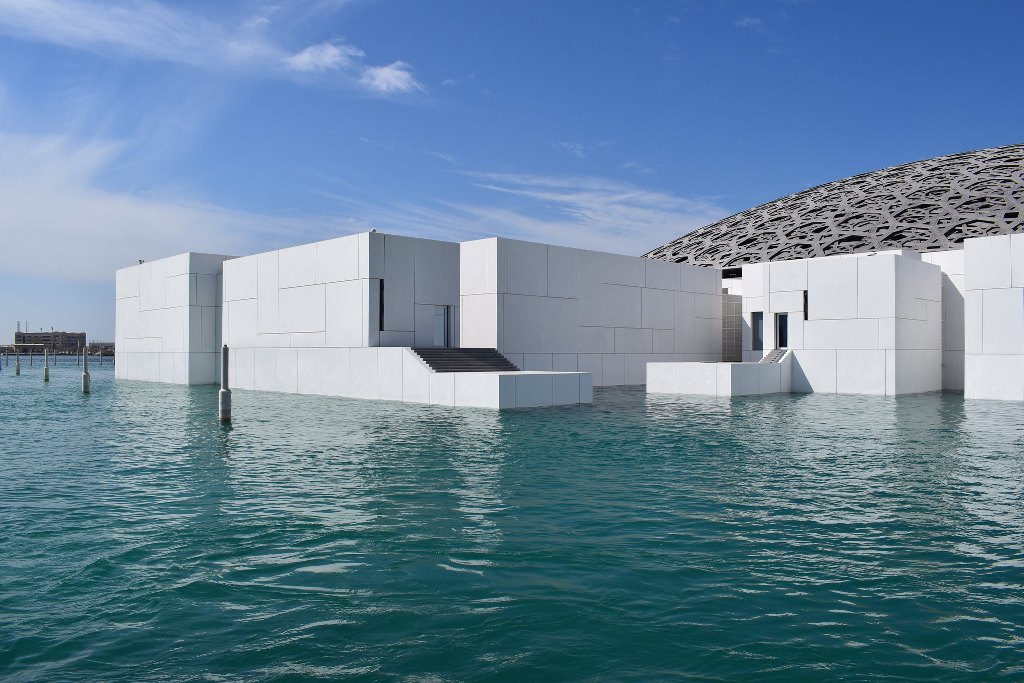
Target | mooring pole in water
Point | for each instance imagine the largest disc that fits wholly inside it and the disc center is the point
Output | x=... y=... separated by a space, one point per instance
x=224 y=396
x=17 y=361
x=85 y=370
x=46 y=365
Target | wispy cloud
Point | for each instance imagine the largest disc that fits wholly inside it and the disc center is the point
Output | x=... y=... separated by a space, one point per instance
x=751 y=23
x=587 y=212
x=637 y=167
x=324 y=57
x=576 y=149
x=393 y=78
x=58 y=218
x=151 y=30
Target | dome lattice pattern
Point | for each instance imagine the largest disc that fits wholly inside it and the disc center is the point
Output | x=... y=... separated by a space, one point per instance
x=931 y=205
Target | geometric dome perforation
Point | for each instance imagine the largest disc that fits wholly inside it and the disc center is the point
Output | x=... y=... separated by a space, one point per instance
x=931 y=205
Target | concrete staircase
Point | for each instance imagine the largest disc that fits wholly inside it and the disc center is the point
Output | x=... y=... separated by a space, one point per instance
x=774 y=357
x=465 y=360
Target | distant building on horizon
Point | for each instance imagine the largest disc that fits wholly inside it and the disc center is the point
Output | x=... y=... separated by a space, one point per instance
x=59 y=342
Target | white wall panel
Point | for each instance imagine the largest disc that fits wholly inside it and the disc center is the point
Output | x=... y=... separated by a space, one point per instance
x=832 y=288
x=563 y=272
x=527 y=267
x=659 y=309
x=987 y=262
x=337 y=259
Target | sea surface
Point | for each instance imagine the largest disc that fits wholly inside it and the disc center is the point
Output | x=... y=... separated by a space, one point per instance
x=648 y=538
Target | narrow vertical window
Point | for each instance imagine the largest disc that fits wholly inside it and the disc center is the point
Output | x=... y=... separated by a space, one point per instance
x=757 y=330
x=380 y=304
x=805 y=304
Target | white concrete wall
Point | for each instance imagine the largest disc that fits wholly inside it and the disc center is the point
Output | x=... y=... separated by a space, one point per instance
x=953 y=289
x=326 y=295
x=994 y=317
x=398 y=374
x=556 y=308
x=874 y=321
x=168 y=319
x=720 y=379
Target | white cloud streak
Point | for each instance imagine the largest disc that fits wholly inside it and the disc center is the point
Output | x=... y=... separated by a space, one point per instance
x=150 y=30
x=58 y=221
x=585 y=212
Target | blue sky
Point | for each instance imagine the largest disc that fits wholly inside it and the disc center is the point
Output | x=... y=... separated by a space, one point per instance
x=142 y=129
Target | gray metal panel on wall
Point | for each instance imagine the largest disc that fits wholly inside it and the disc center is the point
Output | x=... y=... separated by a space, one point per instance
x=931 y=205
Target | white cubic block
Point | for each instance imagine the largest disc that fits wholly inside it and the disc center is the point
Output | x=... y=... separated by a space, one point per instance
x=658 y=308
x=533 y=391
x=1003 y=321
x=769 y=377
x=240 y=279
x=565 y=389
x=476 y=389
x=620 y=306
x=442 y=388
x=597 y=340
x=337 y=260
x=814 y=371
x=474 y=268
x=1017 y=260
x=787 y=276
x=876 y=286
x=302 y=309
x=786 y=302
x=623 y=270
x=662 y=378
x=988 y=262
x=390 y=373
x=633 y=340
x=998 y=377
x=635 y=368
x=857 y=333
x=755 y=280
x=593 y=364
x=371 y=255
x=399 y=286
x=564 y=362
x=663 y=341
x=560 y=331
x=522 y=324
x=480 y=321
x=286 y=370
x=563 y=272
x=297 y=266
x=527 y=267
x=437 y=267
x=415 y=379
x=536 y=362
x=661 y=275
x=363 y=372
x=832 y=288
x=345 y=313
x=860 y=372
x=613 y=370
x=268 y=293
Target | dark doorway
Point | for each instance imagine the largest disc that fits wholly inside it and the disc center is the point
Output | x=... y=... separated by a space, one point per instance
x=782 y=330
x=757 y=330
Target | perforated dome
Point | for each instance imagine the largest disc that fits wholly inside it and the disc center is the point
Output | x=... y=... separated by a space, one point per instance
x=931 y=205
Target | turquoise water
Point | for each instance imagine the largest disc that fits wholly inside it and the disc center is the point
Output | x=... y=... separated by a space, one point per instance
x=777 y=538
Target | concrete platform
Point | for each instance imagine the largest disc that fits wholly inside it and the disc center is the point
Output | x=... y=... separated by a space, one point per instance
x=720 y=379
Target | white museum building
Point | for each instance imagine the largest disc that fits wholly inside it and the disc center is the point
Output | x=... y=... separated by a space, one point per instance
x=905 y=280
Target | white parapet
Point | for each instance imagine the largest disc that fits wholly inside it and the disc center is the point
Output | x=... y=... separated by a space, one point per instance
x=720 y=379
x=398 y=374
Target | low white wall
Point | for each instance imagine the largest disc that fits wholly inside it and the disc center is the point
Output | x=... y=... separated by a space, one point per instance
x=398 y=374
x=168 y=319
x=556 y=308
x=994 y=317
x=720 y=379
x=874 y=321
